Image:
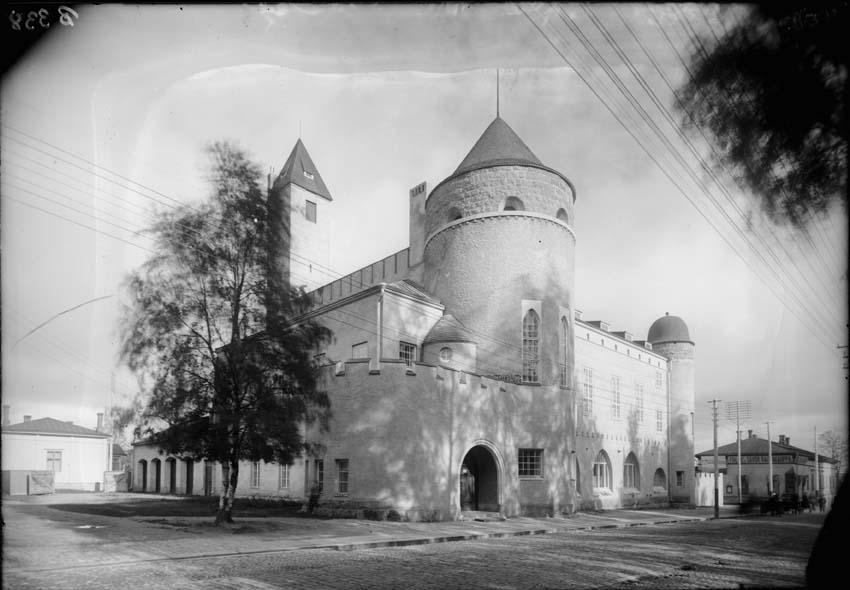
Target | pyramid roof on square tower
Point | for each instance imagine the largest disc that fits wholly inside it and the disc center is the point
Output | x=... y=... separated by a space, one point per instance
x=499 y=145
x=300 y=170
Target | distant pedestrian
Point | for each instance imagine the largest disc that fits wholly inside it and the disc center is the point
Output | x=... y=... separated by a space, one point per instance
x=805 y=504
x=821 y=503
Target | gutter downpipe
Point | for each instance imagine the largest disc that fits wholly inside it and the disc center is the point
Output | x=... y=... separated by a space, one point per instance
x=380 y=327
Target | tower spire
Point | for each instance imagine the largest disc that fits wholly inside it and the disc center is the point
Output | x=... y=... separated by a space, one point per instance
x=497 y=92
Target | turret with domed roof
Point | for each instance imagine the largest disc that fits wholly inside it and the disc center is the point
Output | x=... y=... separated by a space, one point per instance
x=669 y=336
x=499 y=248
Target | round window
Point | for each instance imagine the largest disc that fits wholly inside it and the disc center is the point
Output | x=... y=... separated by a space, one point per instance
x=445 y=354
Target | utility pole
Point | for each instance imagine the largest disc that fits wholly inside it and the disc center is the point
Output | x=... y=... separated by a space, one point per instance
x=738 y=409
x=769 y=462
x=716 y=488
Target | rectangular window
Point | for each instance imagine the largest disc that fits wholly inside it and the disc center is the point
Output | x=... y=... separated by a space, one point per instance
x=588 y=391
x=659 y=421
x=283 y=477
x=54 y=461
x=360 y=350
x=320 y=473
x=658 y=380
x=639 y=401
x=680 y=479
x=530 y=462
x=407 y=353
x=342 y=476
x=255 y=474
x=615 y=396
x=310 y=211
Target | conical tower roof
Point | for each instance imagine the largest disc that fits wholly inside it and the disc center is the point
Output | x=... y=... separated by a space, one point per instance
x=499 y=145
x=300 y=169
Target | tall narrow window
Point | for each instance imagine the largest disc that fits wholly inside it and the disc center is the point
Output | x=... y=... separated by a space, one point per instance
x=407 y=352
x=320 y=473
x=631 y=473
x=530 y=344
x=54 y=461
x=615 y=396
x=565 y=346
x=342 y=476
x=587 y=399
x=255 y=474
x=283 y=477
x=639 y=401
x=658 y=380
x=659 y=421
x=310 y=211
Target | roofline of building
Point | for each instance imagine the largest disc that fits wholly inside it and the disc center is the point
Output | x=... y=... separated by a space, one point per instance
x=602 y=332
x=377 y=287
x=74 y=434
x=500 y=163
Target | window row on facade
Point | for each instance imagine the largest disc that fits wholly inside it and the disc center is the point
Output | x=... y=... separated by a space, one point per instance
x=615 y=396
x=510 y=204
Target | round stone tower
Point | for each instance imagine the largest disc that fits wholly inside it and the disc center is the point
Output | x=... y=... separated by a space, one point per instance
x=499 y=253
x=670 y=337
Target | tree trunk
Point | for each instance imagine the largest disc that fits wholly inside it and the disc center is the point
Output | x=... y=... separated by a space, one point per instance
x=225 y=501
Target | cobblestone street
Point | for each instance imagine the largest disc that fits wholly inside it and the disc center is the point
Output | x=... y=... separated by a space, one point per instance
x=725 y=553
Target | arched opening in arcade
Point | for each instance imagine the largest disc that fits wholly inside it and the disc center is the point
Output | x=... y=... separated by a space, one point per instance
x=143 y=475
x=157 y=474
x=479 y=480
x=172 y=474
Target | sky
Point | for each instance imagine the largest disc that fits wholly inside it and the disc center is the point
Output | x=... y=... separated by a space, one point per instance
x=105 y=122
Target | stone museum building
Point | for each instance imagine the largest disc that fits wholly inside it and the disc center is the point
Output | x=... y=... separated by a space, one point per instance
x=461 y=374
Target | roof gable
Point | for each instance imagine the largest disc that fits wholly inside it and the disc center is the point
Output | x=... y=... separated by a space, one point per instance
x=449 y=329
x=53 y=426
x=299 y=169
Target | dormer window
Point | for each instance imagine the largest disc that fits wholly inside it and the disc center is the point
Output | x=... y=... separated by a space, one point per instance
x=308 y=175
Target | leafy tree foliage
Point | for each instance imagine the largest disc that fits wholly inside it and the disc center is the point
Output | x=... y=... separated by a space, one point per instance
x=221 y=385
x=773 y=92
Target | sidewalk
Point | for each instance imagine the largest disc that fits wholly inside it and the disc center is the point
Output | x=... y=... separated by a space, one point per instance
x=77 y=540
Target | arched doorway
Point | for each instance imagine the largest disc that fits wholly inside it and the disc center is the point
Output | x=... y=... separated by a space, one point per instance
x=143 y=474
x=479 y=480
x=157 y=474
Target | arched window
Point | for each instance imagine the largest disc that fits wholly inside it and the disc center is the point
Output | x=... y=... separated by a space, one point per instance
x=454 y=213
x=562 y=215
x=659 y=480
x=565 y=341
x=513 y=204
x=530 y=344
x=602 y=472
x=631 y=472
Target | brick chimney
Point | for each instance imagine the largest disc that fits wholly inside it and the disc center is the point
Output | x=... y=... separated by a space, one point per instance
x=99 y=422
x=782 y=439
x=6 y=410
x=27 y=418
x=749 y=434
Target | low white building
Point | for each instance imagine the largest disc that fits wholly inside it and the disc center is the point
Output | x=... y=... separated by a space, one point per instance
x=77 y=456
